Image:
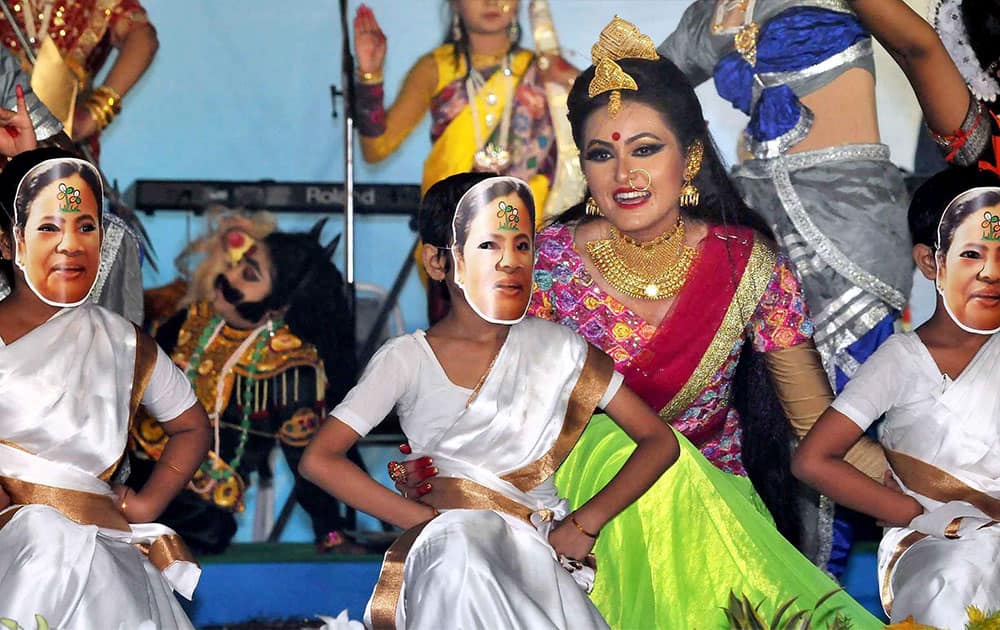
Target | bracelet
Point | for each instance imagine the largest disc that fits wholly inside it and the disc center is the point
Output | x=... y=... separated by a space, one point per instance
x=125 y=497
x=572 y=519
x=370 y=78
x=104 y=103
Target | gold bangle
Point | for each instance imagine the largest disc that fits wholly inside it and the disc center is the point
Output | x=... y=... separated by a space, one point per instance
x=572 y=519
x=125 y=498
x=370 y=78
x=103 y=103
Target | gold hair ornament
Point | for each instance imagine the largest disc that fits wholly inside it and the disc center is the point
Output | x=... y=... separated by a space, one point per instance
x=620 y=39
x=689 y=192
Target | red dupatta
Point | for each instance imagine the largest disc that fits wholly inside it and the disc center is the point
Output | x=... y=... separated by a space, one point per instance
x=711 y=313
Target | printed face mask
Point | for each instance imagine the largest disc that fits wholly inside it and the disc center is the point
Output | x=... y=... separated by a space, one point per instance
x=968 y=270
x=58 y=238
x=493 y=234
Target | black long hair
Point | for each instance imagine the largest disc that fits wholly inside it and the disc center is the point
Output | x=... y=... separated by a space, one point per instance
x=982 y=23
x=933 y=196
x=767 y=436
x=664 y=87
x=307 y=282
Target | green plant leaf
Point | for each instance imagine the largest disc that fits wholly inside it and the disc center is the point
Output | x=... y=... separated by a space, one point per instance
x=776 y=620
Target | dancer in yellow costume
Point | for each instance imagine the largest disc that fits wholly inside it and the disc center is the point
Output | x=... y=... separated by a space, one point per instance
x=486 y=96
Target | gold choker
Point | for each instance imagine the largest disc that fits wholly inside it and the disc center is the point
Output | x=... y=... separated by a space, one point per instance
x=655 y=270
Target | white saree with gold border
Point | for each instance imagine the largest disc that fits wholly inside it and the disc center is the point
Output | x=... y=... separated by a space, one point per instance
x=66 y=397
x=486 y=562
x=943 y=444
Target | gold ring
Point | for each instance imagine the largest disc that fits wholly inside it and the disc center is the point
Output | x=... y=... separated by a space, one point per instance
x=397 y=472
x=633 y=171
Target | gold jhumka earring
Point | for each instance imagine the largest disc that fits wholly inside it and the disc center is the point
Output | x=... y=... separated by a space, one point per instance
x=689 y=192
x=593 y=210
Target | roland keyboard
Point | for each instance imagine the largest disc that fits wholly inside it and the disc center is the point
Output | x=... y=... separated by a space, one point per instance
x=198 y=195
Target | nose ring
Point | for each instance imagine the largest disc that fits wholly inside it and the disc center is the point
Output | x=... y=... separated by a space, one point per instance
x=632 y=172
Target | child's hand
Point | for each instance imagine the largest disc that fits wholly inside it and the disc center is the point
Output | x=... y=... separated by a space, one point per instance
x=411 y=475
x=136 y=507
x=18 y=134
x=569 y=541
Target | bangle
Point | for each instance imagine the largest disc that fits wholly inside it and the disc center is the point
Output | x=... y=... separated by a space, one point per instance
x=104 y=103
x=125 y=497
x=370 y=78
x=572 y=519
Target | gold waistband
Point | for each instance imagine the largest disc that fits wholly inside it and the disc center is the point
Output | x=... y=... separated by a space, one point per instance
x=937 y=484
x=448 y=494
x=85 y=508
x=88 y=508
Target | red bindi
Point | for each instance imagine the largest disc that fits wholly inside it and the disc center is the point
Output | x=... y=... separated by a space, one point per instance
x=616 y=136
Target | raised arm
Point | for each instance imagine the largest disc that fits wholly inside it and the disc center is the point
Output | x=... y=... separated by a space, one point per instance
x=656 y=450
x=382 y=131
x=916 y=47
x=136 y=41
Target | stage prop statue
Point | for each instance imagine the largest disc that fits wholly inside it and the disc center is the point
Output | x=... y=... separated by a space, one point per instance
x=263 y=353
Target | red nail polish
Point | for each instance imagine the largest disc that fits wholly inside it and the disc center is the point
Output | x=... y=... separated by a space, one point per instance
x=405 y=449
x=424 y=489
x=20 y=91
x=425 y=461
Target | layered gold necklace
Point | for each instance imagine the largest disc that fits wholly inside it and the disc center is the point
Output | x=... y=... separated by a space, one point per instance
x=655 y=270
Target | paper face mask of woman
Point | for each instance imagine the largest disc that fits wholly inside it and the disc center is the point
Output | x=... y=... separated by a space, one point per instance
x=494 y=248
x=968 y=260
x=57 y=211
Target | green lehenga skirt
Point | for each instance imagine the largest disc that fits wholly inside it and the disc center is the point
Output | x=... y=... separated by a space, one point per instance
x=671 y=558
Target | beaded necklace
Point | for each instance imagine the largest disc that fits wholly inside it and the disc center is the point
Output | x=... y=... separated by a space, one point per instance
x=211 y=330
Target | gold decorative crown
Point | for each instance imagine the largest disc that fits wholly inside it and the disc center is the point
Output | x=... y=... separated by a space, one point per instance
x=620 y=39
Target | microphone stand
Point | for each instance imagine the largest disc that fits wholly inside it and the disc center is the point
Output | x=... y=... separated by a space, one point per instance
x=347 y=92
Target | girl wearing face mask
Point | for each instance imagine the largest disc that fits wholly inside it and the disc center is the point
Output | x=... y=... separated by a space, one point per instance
x=73 y=375
x=938 y=389
x=495 y=403
x=485 y=94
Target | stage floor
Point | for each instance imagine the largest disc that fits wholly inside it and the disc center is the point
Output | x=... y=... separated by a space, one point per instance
x=290 y=581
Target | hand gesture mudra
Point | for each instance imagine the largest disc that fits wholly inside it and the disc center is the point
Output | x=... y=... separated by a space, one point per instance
x=369 y=41
x=17 y=134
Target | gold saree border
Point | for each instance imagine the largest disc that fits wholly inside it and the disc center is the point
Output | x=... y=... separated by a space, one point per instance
x=449 y=493
x=454 y=493
x=588 y=391
x=145 y=363
x=934 y=483
x=753 y=283
x=85 y=508
x=908 y=541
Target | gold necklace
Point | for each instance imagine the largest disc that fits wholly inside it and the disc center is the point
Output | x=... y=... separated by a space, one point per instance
x=655 y=270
